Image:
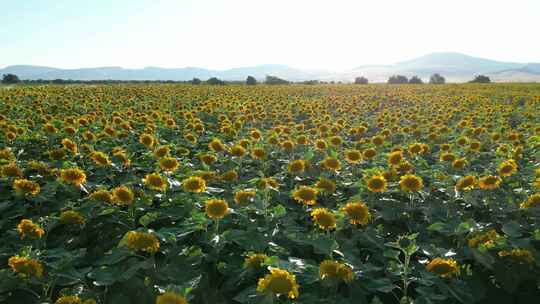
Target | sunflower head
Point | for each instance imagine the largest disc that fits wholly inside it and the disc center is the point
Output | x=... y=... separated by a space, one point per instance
x=331 y=164
x=445 y=268
x=169 y=164
x=357 y=212
x=171 y=298
x=376 y=184
x=518 y=255
x=194 y=184
x=73 y=176
x=353 y=156
x=156 y=182
x=244 y=196
x=296 y=166
x=26 y=187
x=71 y=217
x=279 y=282
x=531 y=202
x=466 y=183
x=335 y=271
x=324 y=218
x=411 y=183
x=142 y=241
x=490 y=182
x=395 y=158
x=507 y=168
x=326 y=185
x=306 y=195
x=69 y=300
x=216 y=209
x=28 y=229
x=255 y=260
x=26 y=266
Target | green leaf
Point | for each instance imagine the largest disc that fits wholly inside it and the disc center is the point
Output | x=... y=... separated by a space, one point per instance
x=512 y=229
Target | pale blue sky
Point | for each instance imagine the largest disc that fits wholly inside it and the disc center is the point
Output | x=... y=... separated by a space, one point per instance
x=335 y=34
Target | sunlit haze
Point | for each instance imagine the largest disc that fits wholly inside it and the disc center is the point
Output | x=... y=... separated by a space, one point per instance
x=223 y=34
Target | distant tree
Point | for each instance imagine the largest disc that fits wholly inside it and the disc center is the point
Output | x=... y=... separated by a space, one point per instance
x=196 y=81
x=480 y=79
x=275 y=80
x=215 y=81
x=361 y=80
x=436 y=79
x=416 y=80
x=10 y=79
x=250 y=80
x=397 y=79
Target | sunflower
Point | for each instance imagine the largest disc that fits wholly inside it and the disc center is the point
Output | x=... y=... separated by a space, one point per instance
x=169 y=164
x=357 y=212
x=279 y=282
x=258 y=153
x=507 y=168
x=445 y=268
x=194 y=184
x=171 y=298
x=102 y=196
x=71 y=217
x=156 y=182
x=326 y=185
x=142 y=241
x=466 y=183
x=26 y=187
x=229 y=176
x=448 y=157
x=122 y=195
x=296 y=166
x=27 y=229
x=25 y=266
x=11 y=170
x=485 y=239
x=395 y=158
x=320 y=145
x=147 y=140
x=324 y=218
x=519 y=255
x=369 y=153
x=411 y=183
x=353 y=156
x=69 y=300
x=255 y=260
x=335 y=271
x=244 y=196
x=238 y=151
x=208 y=159
x=100 y=158
x=459 y=163
x=216 y=209
x=305 y=195
x=490 y=182
x=268 y=183
x=74 y=176
x=537 y=183
x=331 y=164
x=69 y=145
x=376 y=183
x=531 y=202
x=415 y=148
x=162 y=151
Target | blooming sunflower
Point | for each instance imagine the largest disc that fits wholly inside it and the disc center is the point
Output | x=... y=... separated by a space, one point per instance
x=459 y=163
x=258 y=153
x=519 y=255
x=296 y=166
x=238 y=151
x=490 y=182
x=305 y=195
x=74 y=176
x=26 y=266
x=279 y=282
x=255 y=260
x=69 y=300
x=162 y=151
x=216 y=145
x=507 y=168
x=531 y=202
x=102 y=196
x=331 y=164
x=26 y=187
x=142 y=241
x=194 y=184
x=122 y=195
x=326 y=185
x=28 y=229
x=445 y=268
x=376 y=184
x=156 y=182
x=411 y=183
x=335 y=271
x=169 y=164
x=324 y=218
x=11 y=170
x=244 y=196
x=268 y=183
x=216 y=209
x=369 y=153
x=485 y=239
x=71 y=217
x=100 y=158
x=357 y=212
x=353 y=156
x=171 y=298
x=466 y=183
x=395 y=158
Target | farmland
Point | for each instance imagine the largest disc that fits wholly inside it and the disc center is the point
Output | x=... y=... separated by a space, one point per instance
x=270 y=194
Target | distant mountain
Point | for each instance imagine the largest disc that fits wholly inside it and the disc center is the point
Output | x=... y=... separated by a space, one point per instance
x=455 y=67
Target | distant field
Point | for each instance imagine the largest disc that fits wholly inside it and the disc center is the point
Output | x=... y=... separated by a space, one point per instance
x=270 y=194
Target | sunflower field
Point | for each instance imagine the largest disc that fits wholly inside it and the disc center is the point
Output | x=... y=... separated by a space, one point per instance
x=174 y=194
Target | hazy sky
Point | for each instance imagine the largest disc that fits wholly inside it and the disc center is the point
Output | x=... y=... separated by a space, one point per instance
x=221 y=34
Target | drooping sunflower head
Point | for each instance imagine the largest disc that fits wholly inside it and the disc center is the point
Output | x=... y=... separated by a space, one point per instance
x=73 y=176
x=445 y=268
x=411 y=183
x=11 y=170
x=72 y=217
x=216 y=208
x=305 y=195
x=171 y=298
x=485 y=239
x=324 y=218
x=216 y=145
x=490 y=182
x=532 y=201
x=142 y=241
x=28 y=229
x=376 y=184
x=357 y=212
x=335 y=271
x=156 y=182
x=279 y=282
x=194 y=184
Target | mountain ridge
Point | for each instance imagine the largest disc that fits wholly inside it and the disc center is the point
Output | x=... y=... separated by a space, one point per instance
x=456 y=67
